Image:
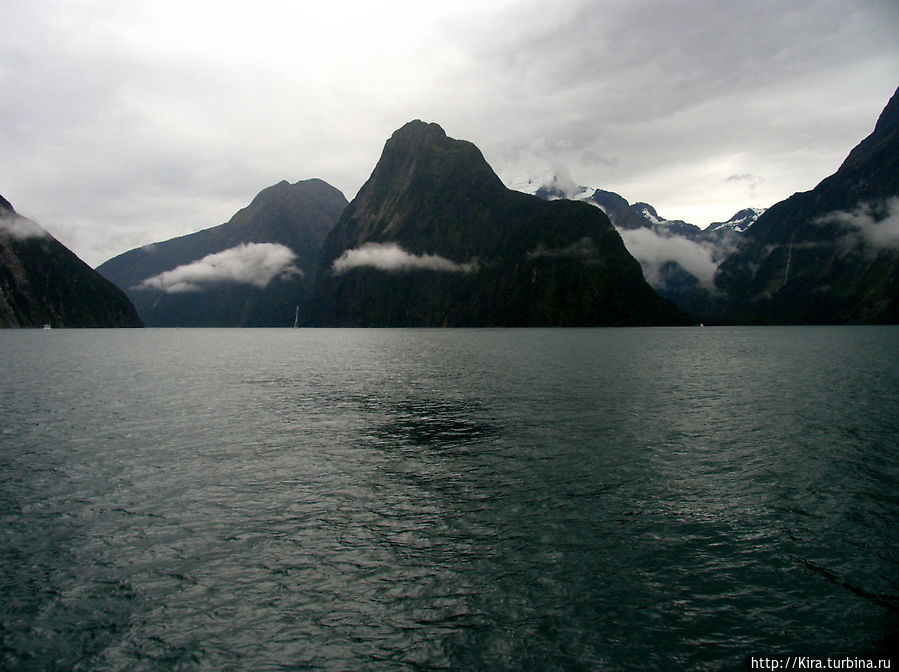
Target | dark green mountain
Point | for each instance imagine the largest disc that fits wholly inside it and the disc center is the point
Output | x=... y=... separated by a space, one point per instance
x=43 y=282
x=254 y=270
x=829 y=255
x=434 y=239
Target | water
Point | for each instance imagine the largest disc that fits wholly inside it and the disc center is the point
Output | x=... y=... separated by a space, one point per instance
x=614 y=499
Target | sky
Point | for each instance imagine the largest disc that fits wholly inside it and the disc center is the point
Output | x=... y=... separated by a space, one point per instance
x=125 y=123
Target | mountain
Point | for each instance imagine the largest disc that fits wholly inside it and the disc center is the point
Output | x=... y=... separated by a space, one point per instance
x=829 y=255
x=640 y=216
x=740 y=222
x=678 y=259
x=42 y=282
x=434 y=239
x=257 y=269
x=624 y=215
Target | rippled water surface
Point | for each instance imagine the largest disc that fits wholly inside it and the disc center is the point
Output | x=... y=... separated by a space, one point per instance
x=609 y=499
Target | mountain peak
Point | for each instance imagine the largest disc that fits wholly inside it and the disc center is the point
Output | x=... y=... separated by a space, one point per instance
x=6 y=207
x=253 y=270
x=889 y=118
x=419 y=128
x=284 y=189
x=418 y=159
x=433 y=238
x=415 y=139
x=648 y=212
x=43 y=282
x=740 y=221
x=877 y=149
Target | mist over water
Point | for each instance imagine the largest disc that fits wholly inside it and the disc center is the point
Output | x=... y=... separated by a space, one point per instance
x=447 y=499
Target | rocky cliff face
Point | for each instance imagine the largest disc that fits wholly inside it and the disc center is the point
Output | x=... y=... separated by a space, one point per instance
x=829 y=255
x=43 y=283
x=255 y=270
x=434 y=239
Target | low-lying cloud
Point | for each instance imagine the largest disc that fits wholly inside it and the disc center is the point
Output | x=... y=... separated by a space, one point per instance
x=653 y=251
x=392 y=258
x=21 y=228
x=255 y=264
x=874 y=224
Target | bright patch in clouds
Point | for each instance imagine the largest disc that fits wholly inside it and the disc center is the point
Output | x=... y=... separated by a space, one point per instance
x=392 y=258
x=254 y=264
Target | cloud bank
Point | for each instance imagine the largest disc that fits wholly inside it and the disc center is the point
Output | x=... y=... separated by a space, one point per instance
x=653 y=251
x=708 y=90
x=392 y=258
x=874 y=224
x=254 y=264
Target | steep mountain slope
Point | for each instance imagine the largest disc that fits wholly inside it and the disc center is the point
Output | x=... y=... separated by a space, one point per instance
x=829 y=255
x=678 y=259
x=43 y=282
x=434 y=238
x=254 y=270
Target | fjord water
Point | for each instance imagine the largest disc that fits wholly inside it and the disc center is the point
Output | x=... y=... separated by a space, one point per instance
x=608 y=499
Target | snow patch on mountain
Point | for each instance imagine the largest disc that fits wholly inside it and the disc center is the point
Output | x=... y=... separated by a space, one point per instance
x=739 y=222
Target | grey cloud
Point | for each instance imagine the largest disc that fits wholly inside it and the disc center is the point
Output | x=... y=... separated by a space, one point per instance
x=709 y=89
x=21 y=227
x=255 y=264
x=876 y=225
x=120 y=125
x=653 y=251
x=392 y=258
x=751 y=183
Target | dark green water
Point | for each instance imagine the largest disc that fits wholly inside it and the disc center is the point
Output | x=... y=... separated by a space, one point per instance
x=615 y=499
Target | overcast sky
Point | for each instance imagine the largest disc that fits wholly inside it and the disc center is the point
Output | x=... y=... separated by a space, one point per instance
x=124 y=123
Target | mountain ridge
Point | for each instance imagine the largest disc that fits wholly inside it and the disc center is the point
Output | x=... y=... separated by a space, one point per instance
x=829 y=255
x=256 y=269
x=475 y=252
x=811 y=258
x=42 y=282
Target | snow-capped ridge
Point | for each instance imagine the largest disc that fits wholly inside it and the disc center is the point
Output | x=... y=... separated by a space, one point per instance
x=552 y=185
x=741 y=221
